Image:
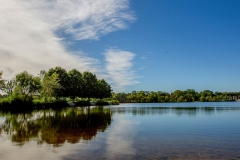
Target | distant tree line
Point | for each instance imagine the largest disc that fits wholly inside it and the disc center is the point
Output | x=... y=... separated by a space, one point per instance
x=56 y=83
x=188 y=95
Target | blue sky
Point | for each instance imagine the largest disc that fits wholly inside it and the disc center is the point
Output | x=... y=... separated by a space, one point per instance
x=157 y=45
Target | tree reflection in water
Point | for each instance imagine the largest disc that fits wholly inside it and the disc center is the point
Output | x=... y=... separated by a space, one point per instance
x=190 y=111
x=57 y=126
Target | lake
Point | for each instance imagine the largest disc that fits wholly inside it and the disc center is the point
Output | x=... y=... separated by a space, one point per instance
x=127 y=131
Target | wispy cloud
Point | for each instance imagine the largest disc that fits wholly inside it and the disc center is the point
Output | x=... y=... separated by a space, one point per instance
x=83 y=19
x=27 y=43
x=119 y=66
x=29 y=39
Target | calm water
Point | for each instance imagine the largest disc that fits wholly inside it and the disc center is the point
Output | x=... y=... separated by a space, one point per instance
x=127 y=131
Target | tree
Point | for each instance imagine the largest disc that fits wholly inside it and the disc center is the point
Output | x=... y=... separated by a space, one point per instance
x=1 y=76
x=103 y=89
x=75 y=86
x=152 y=97
x=178 y=96
x=1 y=81
x=89 y=85
x=181 y=99
x=121 y=97
x=190 y=95
x=63 y=80
x=206 y=95
x=161 y=96
x=132 y=97
x=8 y=87
x=26 y=84
x=141 y=96
x=50 y=85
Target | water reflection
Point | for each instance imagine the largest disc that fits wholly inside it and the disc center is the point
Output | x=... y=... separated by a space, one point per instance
x=56 y=126
x=190 y=111
x=137 y=132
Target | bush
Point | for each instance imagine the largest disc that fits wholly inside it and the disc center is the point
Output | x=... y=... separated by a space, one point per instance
x=115 y=102
x=101 y=103
x=18 y=102
x=21 y=103
x=41 y=103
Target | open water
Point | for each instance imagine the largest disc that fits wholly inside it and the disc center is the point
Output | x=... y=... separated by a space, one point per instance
x=127 y=131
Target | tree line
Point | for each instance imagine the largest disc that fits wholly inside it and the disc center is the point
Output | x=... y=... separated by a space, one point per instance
x=189 y=95
x=56 y=83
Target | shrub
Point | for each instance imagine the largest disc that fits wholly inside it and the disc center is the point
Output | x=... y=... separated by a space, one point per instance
x=18 y=102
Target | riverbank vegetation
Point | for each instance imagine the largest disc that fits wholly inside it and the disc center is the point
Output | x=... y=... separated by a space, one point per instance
x=57 y=88
x=53 y=88
x=188 y=95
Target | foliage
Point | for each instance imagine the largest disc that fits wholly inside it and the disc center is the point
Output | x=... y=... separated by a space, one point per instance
x=52 y=88
x=121 y=97
x=62 y=80
x=75 y=87
x=8 y=87
x=26 y=84
x=89 y=85
x=1 y=80
x=188 y=95
x=16 y=102
x=50 y=85
x=103 y=89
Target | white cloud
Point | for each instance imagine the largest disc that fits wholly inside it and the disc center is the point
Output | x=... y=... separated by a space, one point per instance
x=83 y=19
x=28 y=32
x=119 y=66
x=27 y=43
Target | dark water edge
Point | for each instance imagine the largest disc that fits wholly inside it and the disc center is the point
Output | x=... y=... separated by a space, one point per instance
x=128 y=131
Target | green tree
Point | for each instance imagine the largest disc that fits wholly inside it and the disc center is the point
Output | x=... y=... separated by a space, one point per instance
x=50 y=85
x=167 y=97
x=178 y=96
x=152 y=97
x=75 y=86
x=132 y=97
x=26 y=84
x=89 y=85
x=63 y=81
x=161 y=96
x=190 y=95
x=142 y=96
x=181 y=99
x=8 y=87
x=121 y=97
x=206 y=96
x=1 y=81
x=104 y=89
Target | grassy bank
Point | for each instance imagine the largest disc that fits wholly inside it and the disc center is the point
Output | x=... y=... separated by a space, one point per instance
x=28 y=103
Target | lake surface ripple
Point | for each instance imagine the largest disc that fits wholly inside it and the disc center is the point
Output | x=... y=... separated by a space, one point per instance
x=127 y=131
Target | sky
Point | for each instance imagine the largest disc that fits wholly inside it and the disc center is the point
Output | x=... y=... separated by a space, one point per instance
x=156 y=45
